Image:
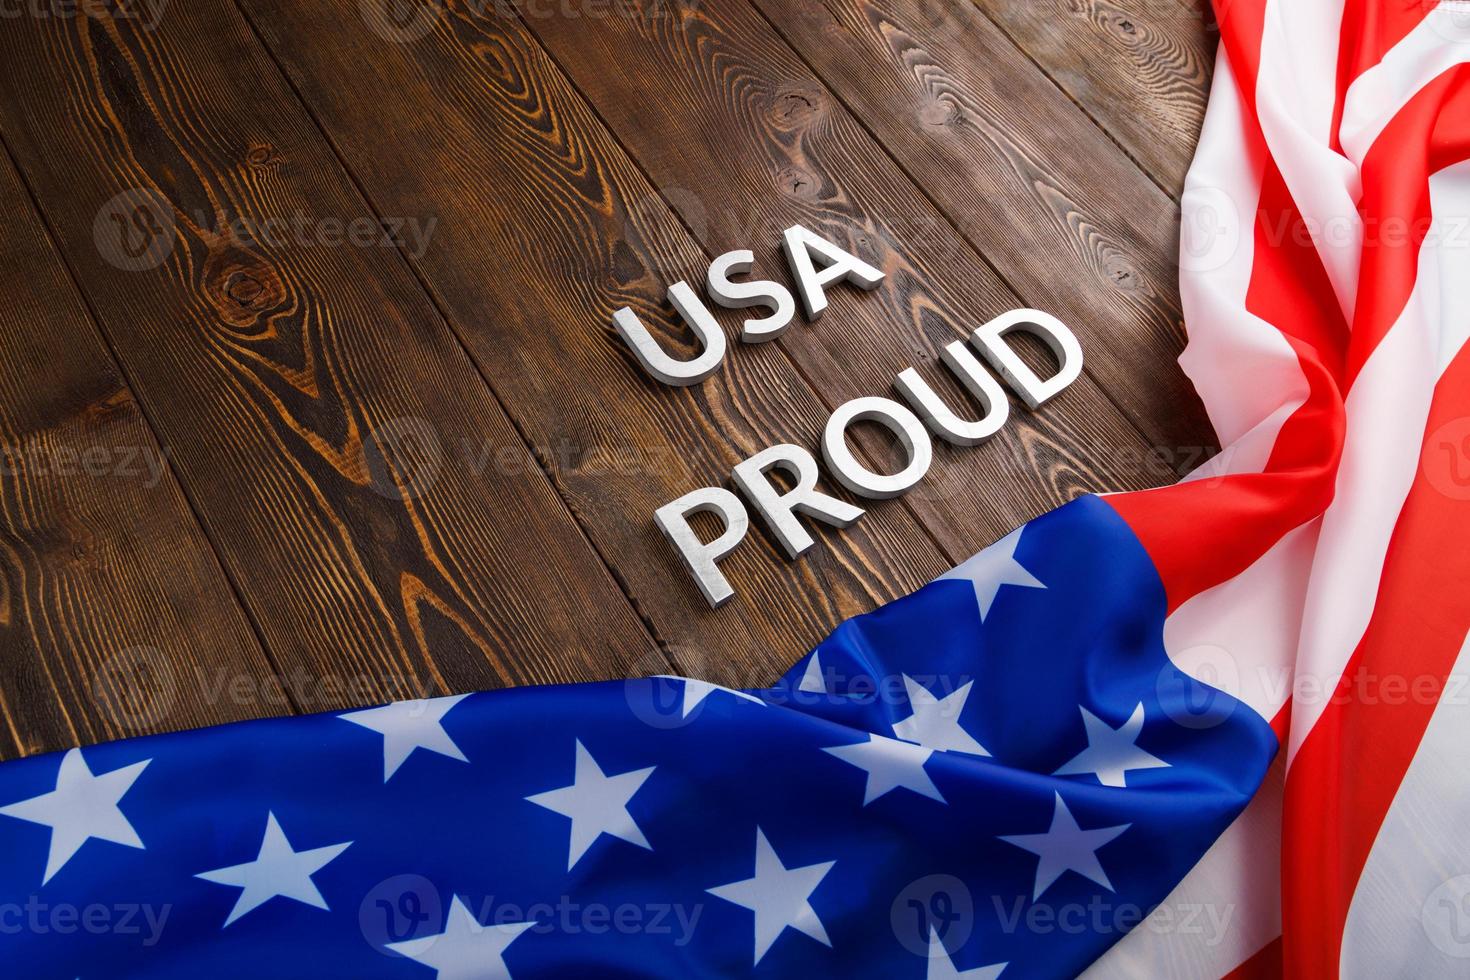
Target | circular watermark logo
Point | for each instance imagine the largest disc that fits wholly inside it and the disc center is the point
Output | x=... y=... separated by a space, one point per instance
x=398 y=909
x=404 y=458
x=1196 y=699
x=658 y=701
x=136 y=688
x=940 y=905
x=661 y=700
x=1445 y=917
x=1450 y=19
x=401 y=21
x=1210 y=229
x=135 y=231
x=1445 y=462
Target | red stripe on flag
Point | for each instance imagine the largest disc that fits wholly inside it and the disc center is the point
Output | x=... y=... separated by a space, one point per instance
x=1242 y=23
x=1370 y=29
x=1264 y=965
x=1427 y=135
x=1202 y=533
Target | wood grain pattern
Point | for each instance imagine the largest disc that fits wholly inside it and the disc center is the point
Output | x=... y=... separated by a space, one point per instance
x=317 y=405
x=739 y=117
x=1066 y=218
x=414 y=457
x=532 y=267
x=1140 y=68
x=115 y=618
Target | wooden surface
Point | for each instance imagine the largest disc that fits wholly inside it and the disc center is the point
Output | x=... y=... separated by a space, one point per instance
x=309 y=393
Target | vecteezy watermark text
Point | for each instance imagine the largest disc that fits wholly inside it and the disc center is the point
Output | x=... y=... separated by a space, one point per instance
x=145 y=464
x=38 y=917
x=409 y=233
x=410 y=906
x=137 y=229
x=146 y=12
x=1098 y=916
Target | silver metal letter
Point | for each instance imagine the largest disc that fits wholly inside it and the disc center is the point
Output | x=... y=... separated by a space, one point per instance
x=663 y=367
x=761 y=292
x=779 y=509
x=898 y=420
x=800 y=244
x=977 y=381
x=700 y=558
x=1053 y=332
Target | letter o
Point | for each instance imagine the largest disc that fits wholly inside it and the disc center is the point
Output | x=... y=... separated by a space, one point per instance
x=901 y=422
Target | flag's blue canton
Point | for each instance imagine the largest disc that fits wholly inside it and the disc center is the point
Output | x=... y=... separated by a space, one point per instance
x=671 y=828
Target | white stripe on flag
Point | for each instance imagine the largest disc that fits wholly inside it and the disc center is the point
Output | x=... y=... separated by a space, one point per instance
x=1410 y=915
x=1241 y=636
x=1217 y=251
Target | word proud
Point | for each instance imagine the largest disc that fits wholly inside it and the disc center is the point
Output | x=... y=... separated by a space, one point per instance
x=816 y=265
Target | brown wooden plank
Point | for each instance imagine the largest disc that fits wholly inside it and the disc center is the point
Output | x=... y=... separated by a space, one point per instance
x=548 y=228
x=744 y=140
x=386 y=524
x=1066 y=218
x=1141 y=68
x=115 y=617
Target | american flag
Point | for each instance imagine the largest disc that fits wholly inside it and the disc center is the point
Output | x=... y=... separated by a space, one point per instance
x=1215 y=728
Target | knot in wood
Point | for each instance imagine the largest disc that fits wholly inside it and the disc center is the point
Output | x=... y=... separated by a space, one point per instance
x=797 y=104
x=262 y=156
x=793 y=181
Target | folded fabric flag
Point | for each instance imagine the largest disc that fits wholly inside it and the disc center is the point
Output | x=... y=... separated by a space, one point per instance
x=1209 y=728
x=838 y=824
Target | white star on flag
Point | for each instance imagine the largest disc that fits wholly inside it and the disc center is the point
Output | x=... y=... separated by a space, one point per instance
x=992 y=568
x=82 y=807
x=597 y=804
x=941 y=967
x=1066 y=847
x=277 y=871
x=779 y=897
x=890 y=764
x=465 y=950
x=407 y=726
x=812 y=681
x=696 y=691
x=936 y=721
x=1110 y=752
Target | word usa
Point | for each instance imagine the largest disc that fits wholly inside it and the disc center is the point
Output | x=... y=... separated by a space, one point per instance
x=817 y=264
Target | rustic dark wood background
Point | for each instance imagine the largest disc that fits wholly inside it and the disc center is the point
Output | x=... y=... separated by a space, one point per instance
x=394 y=471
